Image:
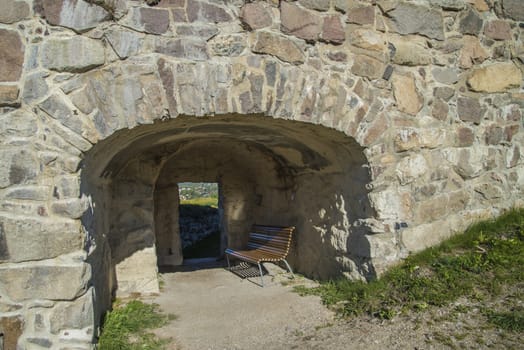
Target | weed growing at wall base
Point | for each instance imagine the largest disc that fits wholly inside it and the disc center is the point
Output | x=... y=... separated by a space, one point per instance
x=126 y=327
x=480 y=264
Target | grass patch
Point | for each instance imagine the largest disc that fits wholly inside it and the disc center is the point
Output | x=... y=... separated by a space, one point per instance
x=480 y=263
x=126 y=327
x=201 y=201
x=510 y=321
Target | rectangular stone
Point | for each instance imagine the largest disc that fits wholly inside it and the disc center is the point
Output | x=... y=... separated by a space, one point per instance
x=27 y=238
x=47 y=280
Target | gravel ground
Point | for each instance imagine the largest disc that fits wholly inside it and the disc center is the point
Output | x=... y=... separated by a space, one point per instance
x=218 y=310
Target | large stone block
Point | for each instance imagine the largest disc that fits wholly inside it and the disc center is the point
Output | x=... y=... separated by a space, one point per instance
x=199 y=11
x=48 y=280
x=411 y=168
x=155 y=21
x=279 y=46
x=19 y=166
x=513 y=9
x=368 y=67
x=332 y=30
x=469 y=110
x=78 y=15
x=408 y=18
x=471 y=23
x=28 y=238
x=472 y=52
x=498 y=30
x=125 y=42
x=76 y=54
x=299 y=22
x=137 y=273
x=497 y=77
x=193 y=49
x=78 y=314
x=11 y=55
x=410 y=51
x=255 y=16
x=13 y=11
x=363 y=15
x=406 y=94
x=18 y=123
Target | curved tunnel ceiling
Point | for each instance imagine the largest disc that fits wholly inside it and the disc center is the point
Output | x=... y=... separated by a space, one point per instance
x=300 y=146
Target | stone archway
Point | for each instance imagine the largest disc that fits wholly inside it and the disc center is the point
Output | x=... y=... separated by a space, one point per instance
x=268 y=174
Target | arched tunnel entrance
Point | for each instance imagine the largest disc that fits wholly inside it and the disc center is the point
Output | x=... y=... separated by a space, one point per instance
x=270 y=171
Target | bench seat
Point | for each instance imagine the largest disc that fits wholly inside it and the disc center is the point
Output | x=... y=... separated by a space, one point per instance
x=265 y=244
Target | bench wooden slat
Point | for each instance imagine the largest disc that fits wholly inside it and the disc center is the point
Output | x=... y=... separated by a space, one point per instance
x=265 y=243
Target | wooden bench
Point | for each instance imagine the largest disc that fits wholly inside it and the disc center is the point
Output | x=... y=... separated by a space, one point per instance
x=265 y=244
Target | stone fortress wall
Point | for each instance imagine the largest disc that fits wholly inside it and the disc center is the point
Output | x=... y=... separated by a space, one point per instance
x=378 y=128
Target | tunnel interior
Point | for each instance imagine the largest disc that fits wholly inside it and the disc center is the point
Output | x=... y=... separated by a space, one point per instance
x=270 y=171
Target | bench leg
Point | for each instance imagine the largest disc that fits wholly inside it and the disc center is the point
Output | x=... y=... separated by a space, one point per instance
x=228 y=266
x=261 y=275
x=289 y=268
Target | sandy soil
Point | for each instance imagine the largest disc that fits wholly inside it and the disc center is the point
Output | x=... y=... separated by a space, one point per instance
x=216 y=309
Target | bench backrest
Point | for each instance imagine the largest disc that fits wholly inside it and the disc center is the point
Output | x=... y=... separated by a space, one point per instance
x=274 y=240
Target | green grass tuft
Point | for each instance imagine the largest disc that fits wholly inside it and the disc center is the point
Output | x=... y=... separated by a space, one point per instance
x=480 y=263
x=125 y=327
x=510 y=321
x=201 y=201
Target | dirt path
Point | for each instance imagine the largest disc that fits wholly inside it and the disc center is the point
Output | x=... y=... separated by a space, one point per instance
x=218 y=310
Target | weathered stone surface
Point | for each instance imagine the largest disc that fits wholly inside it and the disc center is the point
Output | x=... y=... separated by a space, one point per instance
x=194 y=49
x=279 y=46
x=138 y=273
x=155 y=21
x=363 y=15
x=9 y=95
x=493 y=135
x=27 y=238
x=76 y=315
x=30 y=192
x=255 y=16
x=13 y=11
x=513 y=9
x=489 y=191
x=126 y=43
x=368 y=67
x=368 y=39
x=11 y=55
x=76 y=54
x=480 y=5
x=497 y=77
x=299 y=22
x=453 y=5
x=446 y=76
x=18 y=123
x=392 y=204
x=465 y=137
x=56 y=108
x=470 y=23
x=409 y=18
x=411 y=168
x=78 y=15
x=472 y=52
x=410 y=51
x=72 y=208
x=19 y=166
x=204 y=32
x=199 y=11
x=440 y=109
x=513 y=156
x=227 y=45
x=51 y=281
x=12 y=328
x=444 y=92
x=319 y=5
x=469 y=110
x=498 y=30
x=35 y=87
x=332 y=30
x=467 y=162
x=406 y=95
